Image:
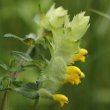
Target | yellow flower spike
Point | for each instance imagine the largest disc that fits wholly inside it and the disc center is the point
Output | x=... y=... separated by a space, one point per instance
x=74 y=74
x=80 y=56
x=62 y=99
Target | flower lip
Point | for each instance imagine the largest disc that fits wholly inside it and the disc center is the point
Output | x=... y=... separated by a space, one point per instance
x=62 y=99
x=74 y=74
x=81 y=55
x=83 y=51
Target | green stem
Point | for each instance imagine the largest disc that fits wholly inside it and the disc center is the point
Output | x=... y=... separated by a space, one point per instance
x=35 y=104
x=3 y=100
x=20 y=63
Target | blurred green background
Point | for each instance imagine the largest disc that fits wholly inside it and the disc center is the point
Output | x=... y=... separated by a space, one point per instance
x=17 y=17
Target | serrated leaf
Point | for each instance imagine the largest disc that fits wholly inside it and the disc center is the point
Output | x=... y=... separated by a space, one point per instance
x=25 y=93
x=13 y=36
x=4 y=66
x=28 y=90
x=22 y=55
x=17 y=83
x=31 y=86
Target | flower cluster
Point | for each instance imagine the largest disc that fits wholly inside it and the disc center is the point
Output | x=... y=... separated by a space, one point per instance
x=62 y=38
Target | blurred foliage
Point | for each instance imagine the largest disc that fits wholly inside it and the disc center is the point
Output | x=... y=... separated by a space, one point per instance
x=17 y=17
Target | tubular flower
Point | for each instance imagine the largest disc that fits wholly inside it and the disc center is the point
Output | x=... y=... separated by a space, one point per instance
x=74 y=74
x=81 y=55
x=62 y=99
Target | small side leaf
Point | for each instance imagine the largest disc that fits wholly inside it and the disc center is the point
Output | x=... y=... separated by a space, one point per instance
x=13 y=36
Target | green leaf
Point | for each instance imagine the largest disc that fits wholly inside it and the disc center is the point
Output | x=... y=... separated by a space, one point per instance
x=29 y=39
x=4 y=66
x=28 y=90
x=17 y=69
x=13 y=36
x=101 y=13
x=22 y=55
x=4 y=80
x=17 y=83
x=31 y=86
x=25 y=93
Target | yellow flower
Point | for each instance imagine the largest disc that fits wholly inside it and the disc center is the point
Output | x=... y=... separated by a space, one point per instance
x=74 y=74
x=62 y=99
x=80 y=56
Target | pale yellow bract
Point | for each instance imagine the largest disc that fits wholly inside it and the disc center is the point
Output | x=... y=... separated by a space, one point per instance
x=63 y=42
